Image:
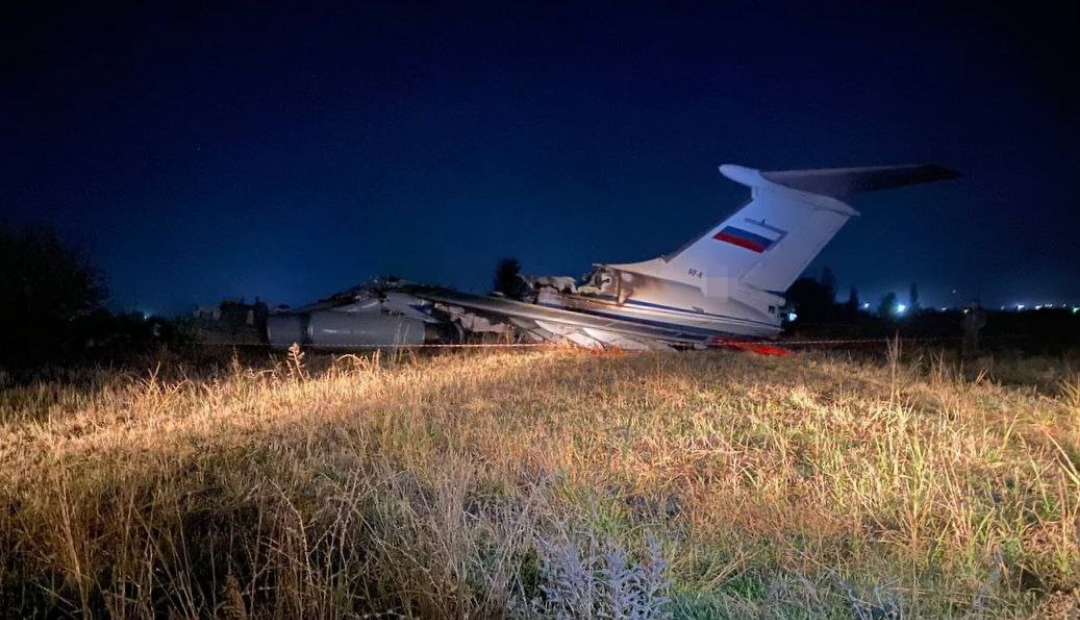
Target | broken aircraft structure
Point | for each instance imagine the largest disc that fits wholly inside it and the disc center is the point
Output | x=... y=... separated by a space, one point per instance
x=726 y=284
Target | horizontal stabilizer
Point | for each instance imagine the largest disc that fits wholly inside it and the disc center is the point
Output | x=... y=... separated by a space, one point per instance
x=846 y=182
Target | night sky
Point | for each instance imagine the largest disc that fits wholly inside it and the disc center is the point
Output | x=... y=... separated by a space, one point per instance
x=290 y=151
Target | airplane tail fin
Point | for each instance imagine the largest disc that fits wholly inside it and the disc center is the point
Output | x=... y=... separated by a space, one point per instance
x=792 y=214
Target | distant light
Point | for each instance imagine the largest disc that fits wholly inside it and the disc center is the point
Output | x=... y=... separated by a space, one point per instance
x=901 y=308
x=1048 y=305
x=791 y=316
x=1076 y=309
x=1019 y=306
x=866 y=305
x=944 y=309
x=1038 y=307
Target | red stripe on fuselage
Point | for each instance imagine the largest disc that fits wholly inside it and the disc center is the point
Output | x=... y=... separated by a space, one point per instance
x=742 y=243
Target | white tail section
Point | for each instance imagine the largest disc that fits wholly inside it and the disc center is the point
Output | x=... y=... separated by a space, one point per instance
x=791 y=215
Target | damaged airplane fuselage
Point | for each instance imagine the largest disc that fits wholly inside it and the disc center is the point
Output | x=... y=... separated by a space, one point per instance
x=726 y=284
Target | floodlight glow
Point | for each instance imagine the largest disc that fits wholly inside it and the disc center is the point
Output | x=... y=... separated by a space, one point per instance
x=901 y=308
x=1019 y=306
x=792 y=316
x=866 y=306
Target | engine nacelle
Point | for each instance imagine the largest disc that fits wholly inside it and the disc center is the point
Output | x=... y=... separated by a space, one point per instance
x=331 y=329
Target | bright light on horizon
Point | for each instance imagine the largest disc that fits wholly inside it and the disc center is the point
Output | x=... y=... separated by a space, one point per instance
x=901 y=308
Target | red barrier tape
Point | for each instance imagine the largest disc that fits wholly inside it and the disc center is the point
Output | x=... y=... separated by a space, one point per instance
x=781 y=351
x=815 y=343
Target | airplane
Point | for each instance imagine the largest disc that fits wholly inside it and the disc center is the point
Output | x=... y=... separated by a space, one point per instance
x=725 y=285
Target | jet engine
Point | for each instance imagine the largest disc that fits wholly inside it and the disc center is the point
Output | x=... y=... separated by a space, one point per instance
x=335 y=329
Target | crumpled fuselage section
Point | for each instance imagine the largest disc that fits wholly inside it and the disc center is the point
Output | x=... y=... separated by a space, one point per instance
x=630 y=296
x=605 y=309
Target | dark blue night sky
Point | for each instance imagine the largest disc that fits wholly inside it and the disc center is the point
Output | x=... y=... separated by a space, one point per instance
x=289 y=151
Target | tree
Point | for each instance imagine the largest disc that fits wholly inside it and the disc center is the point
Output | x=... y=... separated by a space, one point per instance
x=811 y=300
x=887 y=305
x=852 y=305
x=913 y=297
x=828 y=282
x=507 y=278
x=44 y=285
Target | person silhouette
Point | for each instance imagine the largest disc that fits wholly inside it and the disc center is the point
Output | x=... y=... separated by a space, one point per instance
x=973 y=322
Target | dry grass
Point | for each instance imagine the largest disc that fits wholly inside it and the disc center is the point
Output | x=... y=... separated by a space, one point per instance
x=450 y=486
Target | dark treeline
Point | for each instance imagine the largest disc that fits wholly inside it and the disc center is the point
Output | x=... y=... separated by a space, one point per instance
x=820 y=315
x=52 y=307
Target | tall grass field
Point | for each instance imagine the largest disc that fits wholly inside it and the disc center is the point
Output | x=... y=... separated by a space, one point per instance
x=547 y=483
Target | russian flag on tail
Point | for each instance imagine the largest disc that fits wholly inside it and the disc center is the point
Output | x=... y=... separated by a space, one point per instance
x=744 y=239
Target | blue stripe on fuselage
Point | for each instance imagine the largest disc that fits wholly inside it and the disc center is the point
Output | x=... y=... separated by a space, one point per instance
x=686 y=330
x=649 y=304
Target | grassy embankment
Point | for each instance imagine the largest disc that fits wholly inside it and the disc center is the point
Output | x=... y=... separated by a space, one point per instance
x=509 y=483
